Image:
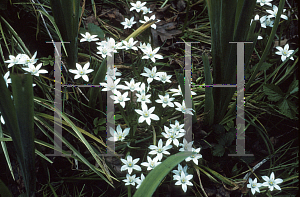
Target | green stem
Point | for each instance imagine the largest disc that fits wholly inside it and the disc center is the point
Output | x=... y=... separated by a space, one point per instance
x=129 y=191
x=90 y=51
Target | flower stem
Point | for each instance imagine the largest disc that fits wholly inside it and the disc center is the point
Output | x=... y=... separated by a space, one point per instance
x=129 y=190
x=90 y=51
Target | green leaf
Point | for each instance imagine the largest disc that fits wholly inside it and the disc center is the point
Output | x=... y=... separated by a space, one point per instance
x=4 y=191
x=264 y=66
x=274 y=93
x=209 y=99
x=288 y=108
x=293 y=87
x=95 y=30
x=154 y=178
x=219 y=150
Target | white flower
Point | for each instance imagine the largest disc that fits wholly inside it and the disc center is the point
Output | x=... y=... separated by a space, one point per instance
x=163 y=77
x=6 y=79
x=266 y=21
x=130 y=165
x=256 y=18
x=195 y=156
x=264 y=2
x=13 y=60
x=131 y=86
x=130 y=180
x=172 y=136
x=183 y=180
x=254 y=185
x=144 y=46
x=183 y=108
x=139 y=181
x=119 y=135
x=148 y=19
x=284 y=52
x=179 y=92
x=177 y=127
x=149 y=54
x=146 y=10
x=112 y=73
x=273 y=13
x=111 y=44
x=82 y=72
x=151 y=164
x=119 y=98
x=146 y=114
x=272 y=182
x=128 y=23
x=111 y=85
x=165 y=100
x=186 y=146
x=88 y=37
x=150 y=74
x=142 y=88
x=129 y=44
x=143 y=98
x=26 y=60
x=180 y=169
x=138 y=6
x=159 y=150
x=35 y=70
x=259 y=37
x=104 y=50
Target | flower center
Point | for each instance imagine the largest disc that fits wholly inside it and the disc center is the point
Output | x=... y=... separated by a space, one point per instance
x=271 y=182
x=129 y=164
x=183 y=180
x=146 y=114
x=284 y=52
x=165 y=100
x=253 y=184
x=81 y=72
x=120 y=98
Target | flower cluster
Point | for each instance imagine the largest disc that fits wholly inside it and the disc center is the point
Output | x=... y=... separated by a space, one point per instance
x=271 y=183
x=268 y=21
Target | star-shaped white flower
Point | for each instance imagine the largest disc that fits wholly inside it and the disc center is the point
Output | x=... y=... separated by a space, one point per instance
x=163 y=77
x=82 y=72
x=6 y=79
x=104 y=51
x=180 y=169
x=137 y=6
x=146 y=10
x=195 y=156
x=177 y=127
x=128 y=23
x=88 y=37
x=26 y=60
x=148 y=19
x=254 y=185
x=111 y=85
x=118 y=135
x=264 y=2
x=149 y=54
x=13 y=60
x=151 y=74
x=132 y=86
x=112 y=73
x=139 y=180
x=35 y=70
x=130 y=165
x=159 y=150
x=130 y=180
x=183 y=180
x=111 y=43
x=182 y=108
x=130 y=44
x=273 y=13
x=186 y=146
x=151 y=164
x=284 y=52
x=119 y=98
x=172 y=136
x=146 y=114
x=165 y=100
x=272 y=182
x=178 y=91
x=266 y=21
x=143 y=98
